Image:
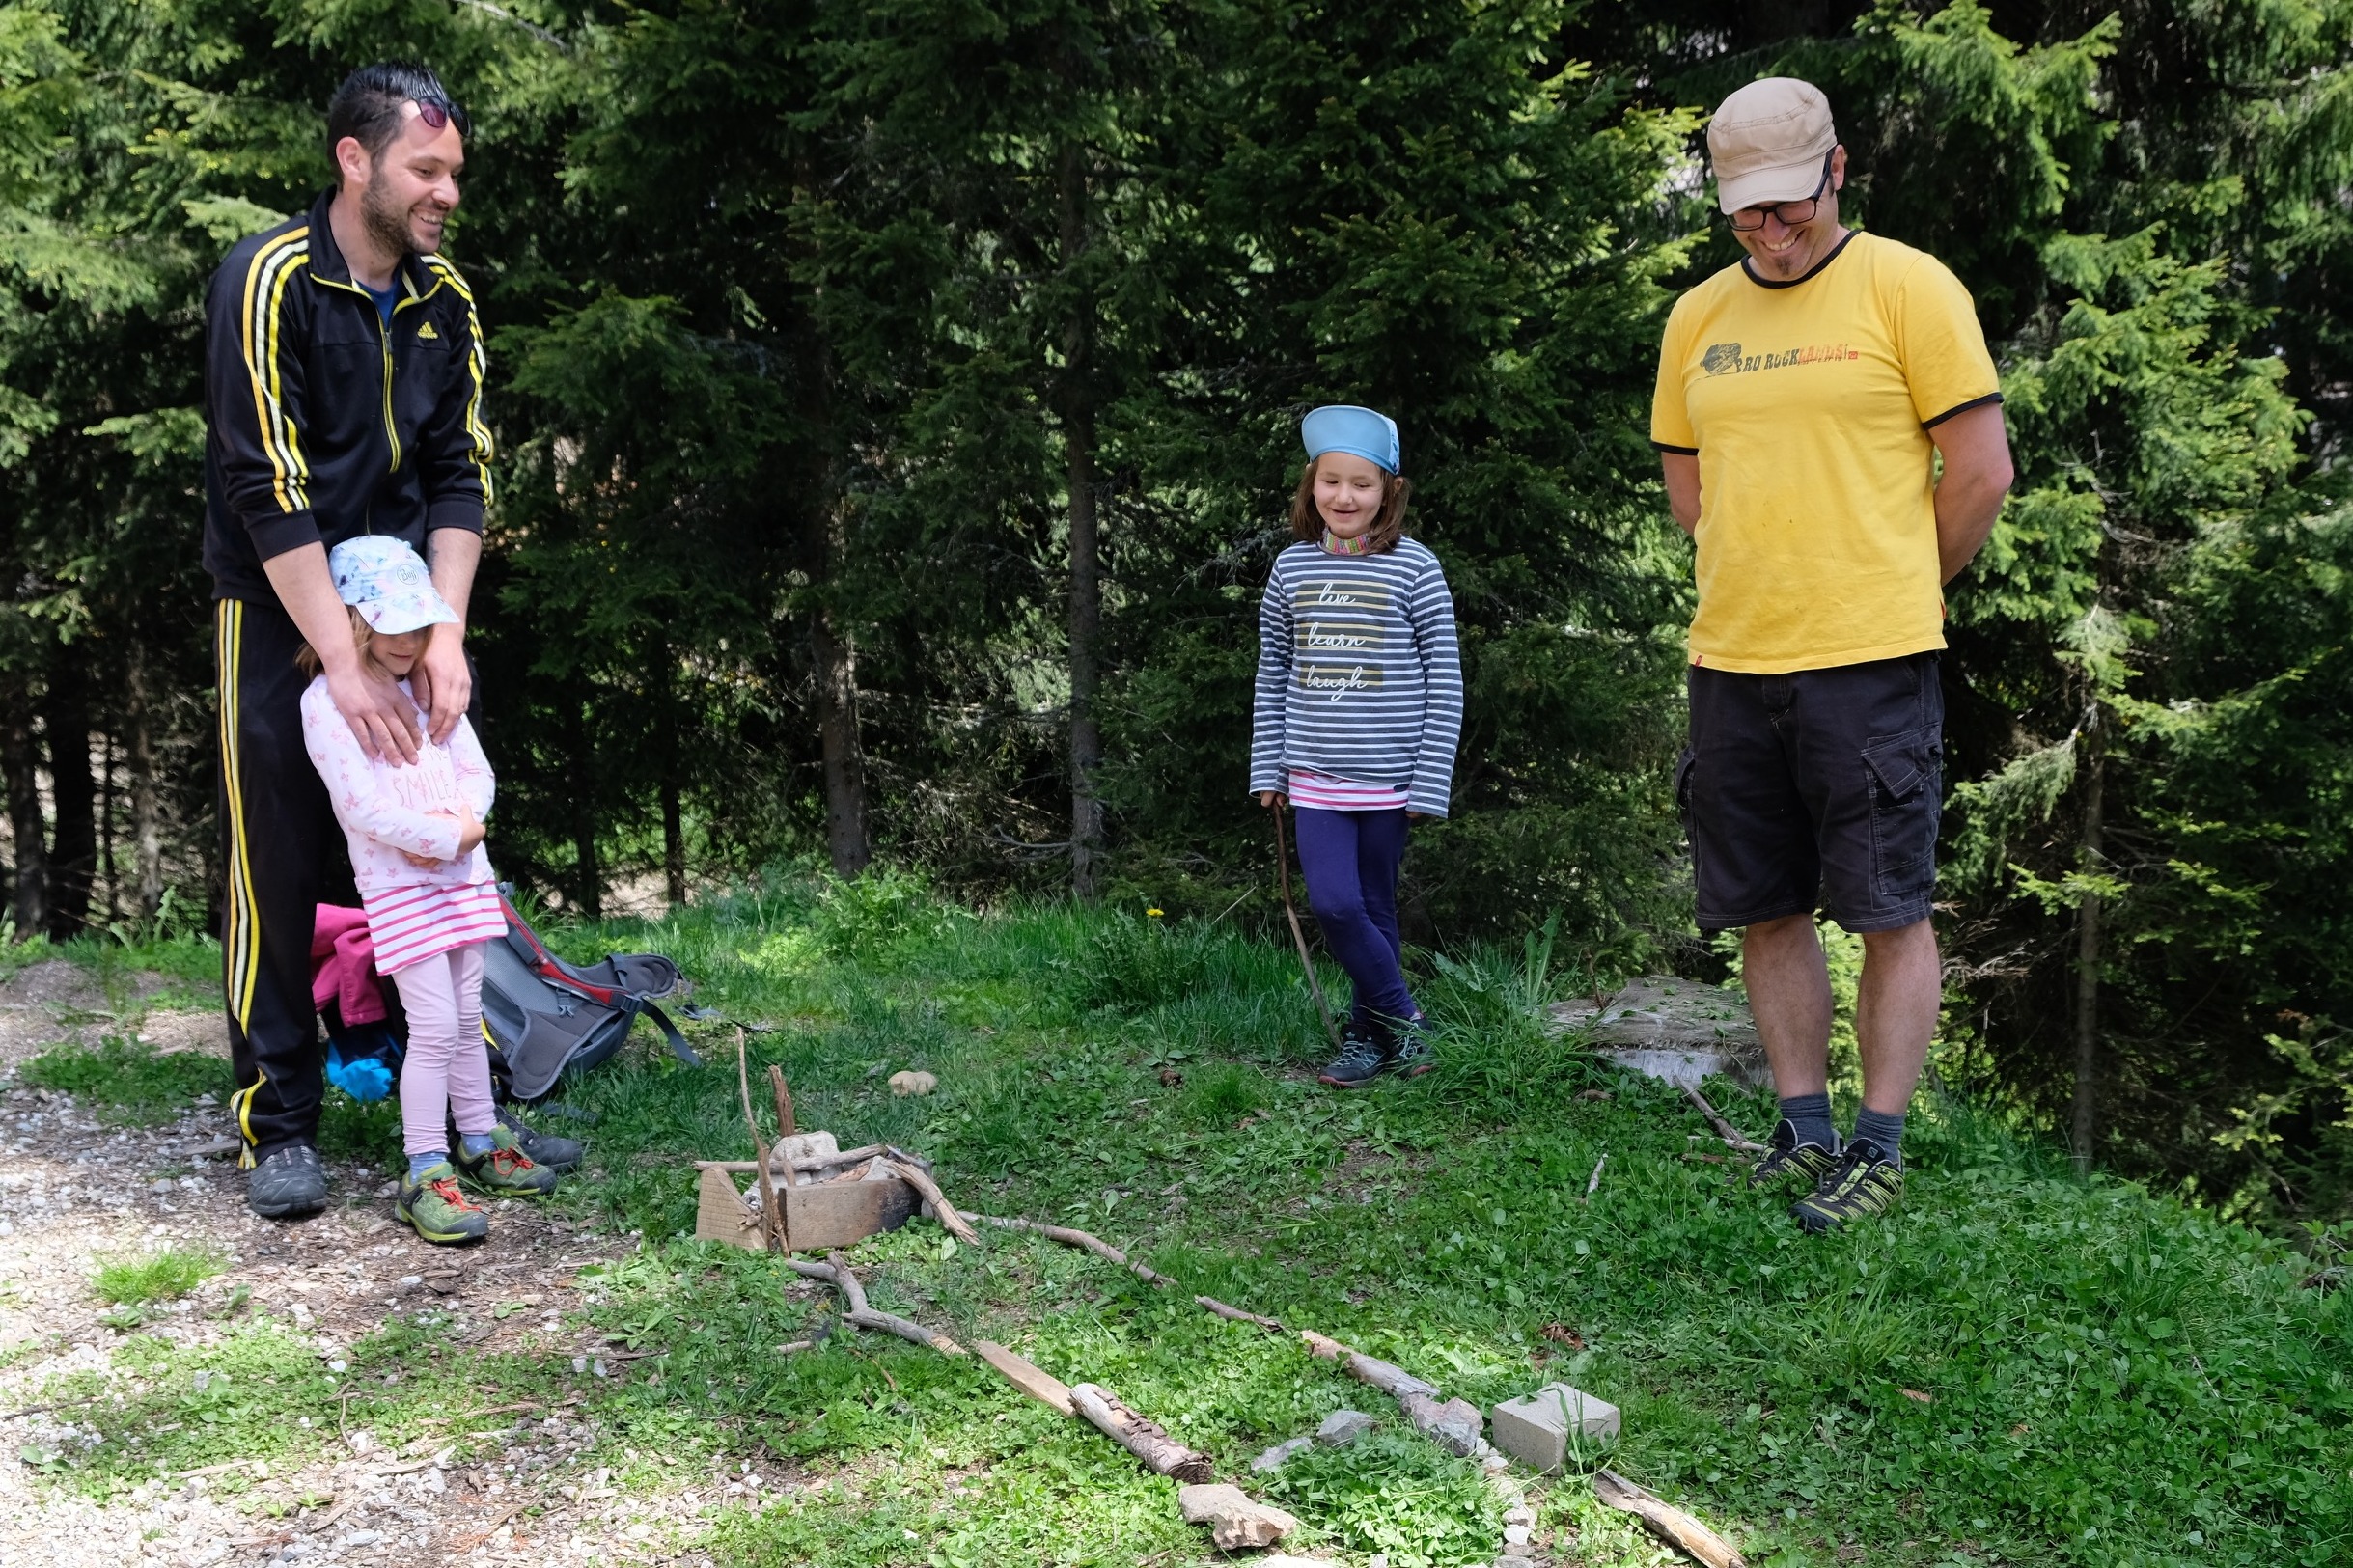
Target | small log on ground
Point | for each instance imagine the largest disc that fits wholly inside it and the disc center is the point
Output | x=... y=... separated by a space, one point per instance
x=953 y=1221
x=1027 y=1376
x=1079 y=1238
x=1666 y=1520
x=1393 y=1380
x=1236 y=1313
x=1160 y=1453
x=1725 y=1130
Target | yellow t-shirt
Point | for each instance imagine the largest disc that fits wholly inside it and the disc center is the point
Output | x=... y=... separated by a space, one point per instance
x=1809 y=406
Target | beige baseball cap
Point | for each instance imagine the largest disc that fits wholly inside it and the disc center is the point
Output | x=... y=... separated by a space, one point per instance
x=1767 y=142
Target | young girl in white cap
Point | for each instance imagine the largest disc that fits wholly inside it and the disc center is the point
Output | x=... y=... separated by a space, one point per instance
x=415 y=831
x=1359 y=706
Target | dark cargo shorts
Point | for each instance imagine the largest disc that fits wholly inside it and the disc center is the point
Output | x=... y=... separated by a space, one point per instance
x=1817 y=790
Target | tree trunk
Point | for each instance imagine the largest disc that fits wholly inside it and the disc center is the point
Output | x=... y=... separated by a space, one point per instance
x=107 y=794
x=588 y=878
x=74 y=792
x=29 y=903
x=2087 y=954
x=836 y=661
x=146 y=810
x=674 y=825
x=1086 y=561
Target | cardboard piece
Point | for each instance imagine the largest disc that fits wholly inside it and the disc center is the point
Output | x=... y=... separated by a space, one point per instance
x=816 y=1215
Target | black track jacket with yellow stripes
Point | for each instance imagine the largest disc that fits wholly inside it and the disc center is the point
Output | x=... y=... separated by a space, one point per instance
x=322 y=423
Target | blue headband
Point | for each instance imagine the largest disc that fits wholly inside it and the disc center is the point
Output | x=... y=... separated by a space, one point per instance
x=1359 y=433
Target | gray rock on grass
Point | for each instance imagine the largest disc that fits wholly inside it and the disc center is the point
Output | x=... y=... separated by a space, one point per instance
x=1235 y=1520
x=1281 y=1454
x=1343 y=1427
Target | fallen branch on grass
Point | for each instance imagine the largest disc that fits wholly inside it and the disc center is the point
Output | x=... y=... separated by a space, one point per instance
x=1160 y=1453
x=1666 y=1520
x=837 y=1274
x=1725 y=1130
x=1026 y=1375
x=1236 y=1313
x=822 y=1162
x=1079 y=1238
x=1456 y=1425
x=954 y=1223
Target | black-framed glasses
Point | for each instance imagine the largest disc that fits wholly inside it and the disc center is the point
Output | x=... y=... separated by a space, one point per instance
x=439 y=112
x=1748 y=219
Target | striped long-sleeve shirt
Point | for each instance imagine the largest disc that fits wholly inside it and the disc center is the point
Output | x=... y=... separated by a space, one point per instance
x=1358 y=673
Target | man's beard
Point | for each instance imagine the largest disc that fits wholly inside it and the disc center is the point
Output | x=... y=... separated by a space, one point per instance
x=386 y=224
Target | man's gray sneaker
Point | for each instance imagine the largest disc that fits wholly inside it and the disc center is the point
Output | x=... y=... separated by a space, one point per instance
x=1787 y=1158
x=289 y=1182
x=542 y=1148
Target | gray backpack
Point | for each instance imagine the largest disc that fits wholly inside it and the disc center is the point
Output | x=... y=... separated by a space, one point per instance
x=546 y=1017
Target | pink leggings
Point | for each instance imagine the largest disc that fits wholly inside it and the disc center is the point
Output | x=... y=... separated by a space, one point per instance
x=447 y=1069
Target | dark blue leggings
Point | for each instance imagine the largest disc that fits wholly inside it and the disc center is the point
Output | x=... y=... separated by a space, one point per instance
x=1351 y=861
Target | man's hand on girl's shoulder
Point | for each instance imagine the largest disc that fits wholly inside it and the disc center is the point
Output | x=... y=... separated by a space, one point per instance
x=378 y=712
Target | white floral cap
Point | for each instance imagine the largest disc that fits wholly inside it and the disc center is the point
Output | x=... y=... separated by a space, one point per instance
x=386 y=582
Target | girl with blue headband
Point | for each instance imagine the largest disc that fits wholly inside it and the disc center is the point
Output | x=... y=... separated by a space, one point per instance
x=1358 y=707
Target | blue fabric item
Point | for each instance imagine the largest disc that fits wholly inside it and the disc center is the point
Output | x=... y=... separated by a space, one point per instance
x=1809 y=1115
x=363 y=1078
x=478 y=1143
x=384 y=299
x=1359 y=674
x=1885 y=1131
x=1351 y=861
x=420 y=1164
x=1362 y=432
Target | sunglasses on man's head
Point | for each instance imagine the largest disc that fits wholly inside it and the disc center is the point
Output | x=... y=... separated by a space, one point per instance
x=437 y=113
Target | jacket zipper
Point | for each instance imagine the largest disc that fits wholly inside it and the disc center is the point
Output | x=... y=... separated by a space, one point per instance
x=383 y=335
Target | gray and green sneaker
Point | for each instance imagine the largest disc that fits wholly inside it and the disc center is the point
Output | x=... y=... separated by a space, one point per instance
x=1360 y=1062
x=439 y=1210
x=1866 y=1181
x=1787 y=1158
x=505 y=1169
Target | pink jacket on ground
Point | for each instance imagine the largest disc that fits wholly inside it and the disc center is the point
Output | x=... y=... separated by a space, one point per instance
x=389 y=806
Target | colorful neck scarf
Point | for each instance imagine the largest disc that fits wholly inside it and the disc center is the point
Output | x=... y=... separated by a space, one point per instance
x=1333 y=545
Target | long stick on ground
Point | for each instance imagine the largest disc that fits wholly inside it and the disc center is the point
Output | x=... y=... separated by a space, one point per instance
x=1666 y=1520
x=836 y=1273
x=954 y=1223
x=1079 y=1238
x=1213 y=1304
x=1306 y=960
x=771 y=1218
x=1724 y=1129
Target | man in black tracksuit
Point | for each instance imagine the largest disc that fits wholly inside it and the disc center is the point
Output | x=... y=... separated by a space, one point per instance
x=343 y=395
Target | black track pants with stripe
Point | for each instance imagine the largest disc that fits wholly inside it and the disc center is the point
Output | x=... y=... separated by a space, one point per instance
x=284 y=855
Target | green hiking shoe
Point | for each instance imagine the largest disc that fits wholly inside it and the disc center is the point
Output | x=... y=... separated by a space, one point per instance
x=1865 y=1182
x=505 y=1169
x=1787 y=1158
x=438 y=1210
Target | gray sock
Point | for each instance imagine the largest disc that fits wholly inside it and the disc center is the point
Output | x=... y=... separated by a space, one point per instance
x=1885 y=1131
x=1810 y=1114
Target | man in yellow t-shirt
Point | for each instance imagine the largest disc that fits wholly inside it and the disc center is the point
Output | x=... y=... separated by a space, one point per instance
x=1803 y=399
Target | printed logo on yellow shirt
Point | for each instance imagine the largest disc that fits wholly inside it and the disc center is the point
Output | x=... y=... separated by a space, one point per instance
x=1726 y=358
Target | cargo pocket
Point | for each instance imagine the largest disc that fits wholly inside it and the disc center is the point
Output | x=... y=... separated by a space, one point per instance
x=1906 y=775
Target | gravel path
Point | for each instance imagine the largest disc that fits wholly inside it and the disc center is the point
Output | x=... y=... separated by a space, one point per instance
x=74 y=1191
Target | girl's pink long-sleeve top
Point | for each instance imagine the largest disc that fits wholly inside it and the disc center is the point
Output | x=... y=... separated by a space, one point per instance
x=389 y=807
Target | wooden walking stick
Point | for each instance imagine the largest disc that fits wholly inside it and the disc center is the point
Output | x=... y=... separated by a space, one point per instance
x=1307 y=961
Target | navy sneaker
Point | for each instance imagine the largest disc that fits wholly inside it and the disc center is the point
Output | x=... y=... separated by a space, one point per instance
x=1360 y=1062
x=289 y=1182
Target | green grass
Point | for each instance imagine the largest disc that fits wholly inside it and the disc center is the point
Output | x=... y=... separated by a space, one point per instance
x=2111 y=1377
x=128 y=1083
x=165 y=1276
